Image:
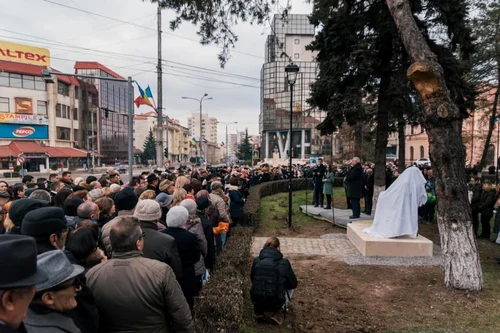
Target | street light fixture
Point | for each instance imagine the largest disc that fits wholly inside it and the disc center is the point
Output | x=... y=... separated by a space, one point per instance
x=291 y=76
x=205 y=96
x=48 y=78
x=227 y=141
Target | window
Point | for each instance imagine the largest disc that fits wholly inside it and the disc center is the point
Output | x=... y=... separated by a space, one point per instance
x=75 y=114
x=62 y=88
x=4 y=79
x=58 y=110
x=75 y=135
x=41 y=107
x=296 y=56
x=4 y=104
x=39 y=84
x=63 y=133
x=297 y=41
x=28 y=82
x=421 y=151
x=412 y=155
x=16 y=80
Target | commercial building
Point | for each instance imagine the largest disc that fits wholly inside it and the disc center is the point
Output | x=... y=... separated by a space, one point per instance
x=208 y=127
x=39 y=122
x=178 y=136
x=110 y=115
x=287 y=44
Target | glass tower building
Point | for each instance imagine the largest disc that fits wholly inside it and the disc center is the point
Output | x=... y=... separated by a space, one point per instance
x=287 y=43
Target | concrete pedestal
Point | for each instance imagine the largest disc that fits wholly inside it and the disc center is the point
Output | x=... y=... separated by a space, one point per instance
x=403 y=246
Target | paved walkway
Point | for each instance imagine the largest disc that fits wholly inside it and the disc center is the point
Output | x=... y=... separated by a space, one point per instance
x=335 y=247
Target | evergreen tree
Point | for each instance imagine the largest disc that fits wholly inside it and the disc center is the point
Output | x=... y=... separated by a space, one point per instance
x=245 y=149
x=149 y=148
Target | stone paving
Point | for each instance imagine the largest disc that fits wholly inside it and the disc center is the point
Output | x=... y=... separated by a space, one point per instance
x=333 y=247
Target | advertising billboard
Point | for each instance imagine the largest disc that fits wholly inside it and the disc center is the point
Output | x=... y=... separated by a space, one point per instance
x=26 y=119
x=22 y=131
x=26 y=54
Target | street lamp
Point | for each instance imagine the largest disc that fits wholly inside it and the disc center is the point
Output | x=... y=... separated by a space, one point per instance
x=227 y=142
x=205 y=96
x=47 y=77
x=291 y=76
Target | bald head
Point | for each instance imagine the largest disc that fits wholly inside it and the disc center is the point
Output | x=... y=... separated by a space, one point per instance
x=88 y=210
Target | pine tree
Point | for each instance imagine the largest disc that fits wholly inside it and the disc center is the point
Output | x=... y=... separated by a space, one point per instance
x=149 y=147
x=245 y=149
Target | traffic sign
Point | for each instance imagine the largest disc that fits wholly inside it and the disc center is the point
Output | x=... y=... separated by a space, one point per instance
x=20 y=159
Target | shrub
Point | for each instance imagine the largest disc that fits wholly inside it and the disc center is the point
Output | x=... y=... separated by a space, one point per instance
x=220 y=305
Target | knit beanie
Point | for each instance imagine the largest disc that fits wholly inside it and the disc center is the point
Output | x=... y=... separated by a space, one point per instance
x=19 y=208
x=177 y=217
x=190 y=205
x=126 y=199
x=43 y=221
x=147 y=210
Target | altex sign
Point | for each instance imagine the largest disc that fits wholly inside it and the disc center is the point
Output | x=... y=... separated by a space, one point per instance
x=24 y=54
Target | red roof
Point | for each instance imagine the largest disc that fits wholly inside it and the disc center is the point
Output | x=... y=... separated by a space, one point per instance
x=20 y=68
x=31 y=147
x=67 y=79
x=96 y=65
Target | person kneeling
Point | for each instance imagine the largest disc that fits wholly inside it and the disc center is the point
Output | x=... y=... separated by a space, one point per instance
x=273 y=281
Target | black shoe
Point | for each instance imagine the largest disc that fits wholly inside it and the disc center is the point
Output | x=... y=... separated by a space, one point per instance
x=354 y=217
x=315 y=205
x=369 y=214
x=328 y=207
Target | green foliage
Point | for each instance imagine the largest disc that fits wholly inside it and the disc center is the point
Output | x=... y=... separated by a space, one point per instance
x=244 y=152
x=149 y=148
x=216 y=19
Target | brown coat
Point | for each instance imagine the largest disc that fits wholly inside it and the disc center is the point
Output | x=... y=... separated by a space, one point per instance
x=137 y=294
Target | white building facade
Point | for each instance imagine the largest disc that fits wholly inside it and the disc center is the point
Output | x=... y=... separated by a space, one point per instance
x=208 y=127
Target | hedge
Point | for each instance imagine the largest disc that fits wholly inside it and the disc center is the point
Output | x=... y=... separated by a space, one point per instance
x=219 y=307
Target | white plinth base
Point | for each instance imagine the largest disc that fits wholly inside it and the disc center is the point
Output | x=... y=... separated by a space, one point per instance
x=387 y=247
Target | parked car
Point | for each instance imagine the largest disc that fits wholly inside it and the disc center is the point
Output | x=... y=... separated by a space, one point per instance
x=121 y=169
x=423 y=161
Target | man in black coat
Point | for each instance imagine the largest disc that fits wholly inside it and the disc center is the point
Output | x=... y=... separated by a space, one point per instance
x=318 y=173
x=158 y=246
x=476 y=188
x=354 y=180
x=369 y=182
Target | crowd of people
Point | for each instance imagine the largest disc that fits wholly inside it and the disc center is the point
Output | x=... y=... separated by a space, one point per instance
x=98 y=255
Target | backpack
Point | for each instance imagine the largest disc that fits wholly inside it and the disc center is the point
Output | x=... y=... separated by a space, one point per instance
x=268 y=287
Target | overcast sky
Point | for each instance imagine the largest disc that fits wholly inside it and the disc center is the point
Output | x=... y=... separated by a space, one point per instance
x=72 y=35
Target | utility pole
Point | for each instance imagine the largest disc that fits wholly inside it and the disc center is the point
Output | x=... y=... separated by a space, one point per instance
x=159 y=107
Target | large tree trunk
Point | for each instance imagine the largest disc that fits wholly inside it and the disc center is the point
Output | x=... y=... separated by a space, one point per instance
x=401 y=145
x=462 y=268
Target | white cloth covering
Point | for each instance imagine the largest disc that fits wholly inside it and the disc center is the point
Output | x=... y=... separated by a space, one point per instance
x=397 y=208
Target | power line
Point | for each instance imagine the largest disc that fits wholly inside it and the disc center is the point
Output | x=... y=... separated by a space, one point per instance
x=144 y=27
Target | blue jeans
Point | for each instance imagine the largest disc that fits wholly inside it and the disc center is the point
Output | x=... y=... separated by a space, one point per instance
x=356 y=208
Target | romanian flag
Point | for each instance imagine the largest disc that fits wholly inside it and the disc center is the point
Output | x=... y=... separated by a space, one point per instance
x=144 y=98
x=192 y=143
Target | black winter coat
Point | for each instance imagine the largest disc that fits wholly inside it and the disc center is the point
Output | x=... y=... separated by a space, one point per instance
x=369 y=182
x=487 y=202
x=209 y=235
x=285 y=268
x=161 y=247
x=354 y=180
x=318 y=173
x=476 y=196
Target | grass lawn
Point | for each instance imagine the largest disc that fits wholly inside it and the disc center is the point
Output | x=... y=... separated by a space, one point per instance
x=335 y=297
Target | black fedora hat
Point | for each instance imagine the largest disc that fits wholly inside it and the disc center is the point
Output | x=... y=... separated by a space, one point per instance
x=18 y=262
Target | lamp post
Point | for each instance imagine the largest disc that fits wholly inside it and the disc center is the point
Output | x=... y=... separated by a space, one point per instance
x=227 y=142
x=291 y=76
x=47 y=77
x=205 y=96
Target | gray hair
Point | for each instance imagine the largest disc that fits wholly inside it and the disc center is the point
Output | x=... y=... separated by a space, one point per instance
x=356 y=159
x=86 y=209
x=41 y=195
x=125 y=233
x=115 y=188
x=216 y=185
x=95 y=194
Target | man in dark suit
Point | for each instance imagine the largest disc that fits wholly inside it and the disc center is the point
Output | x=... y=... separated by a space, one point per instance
x=318 y=173
x=354 y=180
x=369 y=182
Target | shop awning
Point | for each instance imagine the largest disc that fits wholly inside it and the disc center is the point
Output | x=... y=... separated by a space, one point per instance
x=28 y=148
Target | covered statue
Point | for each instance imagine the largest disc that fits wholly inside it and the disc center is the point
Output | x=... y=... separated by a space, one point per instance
x=397 y=208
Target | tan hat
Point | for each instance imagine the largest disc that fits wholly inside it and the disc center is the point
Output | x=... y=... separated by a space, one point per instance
x=165 y=184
